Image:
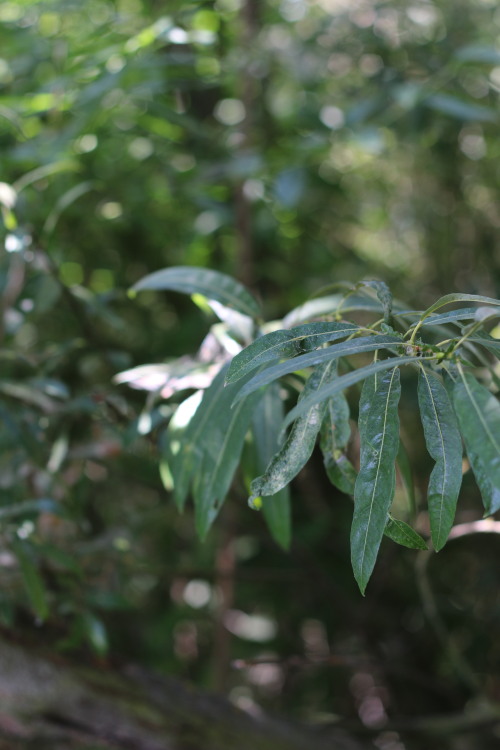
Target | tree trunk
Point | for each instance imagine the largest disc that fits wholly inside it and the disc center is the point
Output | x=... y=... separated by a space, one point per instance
x=49 y=704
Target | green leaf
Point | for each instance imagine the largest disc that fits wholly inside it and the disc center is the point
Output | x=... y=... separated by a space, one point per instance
x=368 y=392
x=442 y=438
x=451 y=105
x=242 y=326
x=478 y=53
x=456 y=297
x=404 y=466
x=401 y=533
x=335 y=435
x=375 y=484
x=333 y=304
x=284 y=344
x=222 y=446
x=32 y=580
x=487 y=341
x=299 y=444
x=204 y=445
x=478 y=413
x=30 y=395
x=96 y=633
x=211 y=284
x=464 y=313
x=355 y=346
x=341 y=472
x=384 y=295
x=341 y=383
x=266 y=422
x=178 y=447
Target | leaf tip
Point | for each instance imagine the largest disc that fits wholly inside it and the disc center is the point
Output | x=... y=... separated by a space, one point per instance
x=362 y=587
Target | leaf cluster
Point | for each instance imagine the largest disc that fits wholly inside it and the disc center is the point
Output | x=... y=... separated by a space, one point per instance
x=311 y=351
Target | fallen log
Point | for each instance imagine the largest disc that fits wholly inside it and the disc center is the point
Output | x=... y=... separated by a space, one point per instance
x=48 y=703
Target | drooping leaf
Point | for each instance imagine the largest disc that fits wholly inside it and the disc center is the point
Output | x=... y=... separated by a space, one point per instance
x=177 y=453
x=167 y=378
x=384 y=295
x=266 y=422
x=374 y=489
x=341 y=472
x=242 y=326
x=478 y=53
x=341 y=383
x=461 y=110
x=222 y=446
x=189 y=455
x=32 y=580
x=335 y=434
x=368 y=392
x=211 y=284
x=64 y=202
x=401 y=533
x=284 y=344
x=478 y=413
x=299 y=444
x=30 y=395
x=96 y=633
x=443 y=442
x=205 y=454
x=404 y=466
x=310 y=359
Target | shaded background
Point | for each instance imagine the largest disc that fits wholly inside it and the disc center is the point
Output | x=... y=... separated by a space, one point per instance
x=293 y=145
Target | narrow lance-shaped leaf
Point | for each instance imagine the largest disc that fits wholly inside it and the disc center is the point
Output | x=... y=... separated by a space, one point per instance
x=452 y=316
x=484 y=339
x=242 y=326
x=335 y=434
x=443 y=442
x=465 y=111
x=187 y=454
x=396 y=530
x=375 y=484
x=32 y=580
x=344 y=349
x=401 y=533
x=284 y=344
x=211 y=284
x=478 y=413
x=322 y=394
x=266 y=422
x=330 y=305
x=222 y=447
x=384 y=295
x=368 y=392
x=176 y=465
x=455 y=297
x=405 y=472
x=299 y=445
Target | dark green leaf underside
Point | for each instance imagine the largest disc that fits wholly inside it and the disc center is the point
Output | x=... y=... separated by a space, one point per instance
x=211 y=284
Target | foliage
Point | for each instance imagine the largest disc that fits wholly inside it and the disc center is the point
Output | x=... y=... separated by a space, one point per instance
x=288 y=144
x=440 y=347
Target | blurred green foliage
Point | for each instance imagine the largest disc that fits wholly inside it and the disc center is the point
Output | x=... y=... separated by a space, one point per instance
x=291 y=144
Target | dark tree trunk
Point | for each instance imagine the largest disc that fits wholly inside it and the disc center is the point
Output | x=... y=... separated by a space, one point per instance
x=49 y=704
